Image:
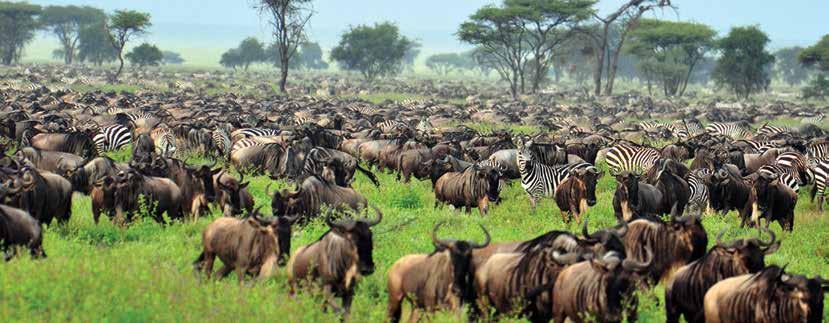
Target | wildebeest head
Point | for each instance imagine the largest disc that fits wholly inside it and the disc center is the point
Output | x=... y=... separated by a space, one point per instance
x=603 y=241
x=628 y=189
x=620 y=276
x=282 y=225
x=763 y=186
x=229 y=191
x=750 y=252
x=589 y=176
x=285 y=202
x=460 y=252
x=358 y=233
x=492 y=177
x=205 y=175
x=689 y=231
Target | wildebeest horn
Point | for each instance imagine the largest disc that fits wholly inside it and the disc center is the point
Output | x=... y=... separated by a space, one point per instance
x=255 y=214
x=330 y=222
x=623 y=230
x=584 y=230
x=291 y=219
x=636 y=266
x=719 y=237
x=376 y=220
x=486 y=241
x=268 y=190
x=767 y=247
x=566 y=259
x=435 y=240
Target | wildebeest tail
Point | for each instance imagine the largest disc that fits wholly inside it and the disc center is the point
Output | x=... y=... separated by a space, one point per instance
x=368 y=174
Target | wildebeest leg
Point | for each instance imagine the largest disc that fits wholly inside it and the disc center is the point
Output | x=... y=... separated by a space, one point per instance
x=820 y=202
x=632 y=309
x=671 y=312
x=266 y=269
x=224 y=271
x=564 y=216
x=329 y=300
x=348 y=297
x=415 y=315
x=394 y=308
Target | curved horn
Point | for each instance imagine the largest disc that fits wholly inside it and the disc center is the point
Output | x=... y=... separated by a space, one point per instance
x=291 y=219
x=623 y=230
x=768 y=245
x=567 y=258
x=486 y=241
x=719 y=237
x=268 y=190
x=330 y=222
x=584 y=230
x=637 y=266
x=376 y=220
x=435 y=240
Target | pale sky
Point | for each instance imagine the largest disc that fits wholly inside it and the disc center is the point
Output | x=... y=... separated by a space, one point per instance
x=202 y=24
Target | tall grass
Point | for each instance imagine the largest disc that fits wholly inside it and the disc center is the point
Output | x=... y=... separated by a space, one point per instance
x=144 y=272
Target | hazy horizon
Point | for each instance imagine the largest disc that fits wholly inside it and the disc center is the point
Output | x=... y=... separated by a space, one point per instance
x=202 y=30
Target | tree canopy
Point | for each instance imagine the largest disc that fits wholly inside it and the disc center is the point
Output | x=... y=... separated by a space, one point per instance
x=231 y=58
x=95 y=45
x=18 y=23
x=744 y=62
x=251 y=51
x=817 y=55
x=123 y=26
x=669 y=51
x=788 y=67
x=172 y=58
x=288 y=19
x=374 y=51
x=445 y=63
x=145 y=55
x=66 y=22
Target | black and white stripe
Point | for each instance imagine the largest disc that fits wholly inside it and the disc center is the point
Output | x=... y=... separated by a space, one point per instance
x=222 y=143
x=821 y=171
x=626 y=157
x=813 y=119
x=733 y=130
x=165 y=143
x=255 y=132
x=112 y=138
x=699 y=198
x=796 y=165
x=769 y=130
x=785 y=175
x=389 y=125
x=540 y=180
x=818 y=151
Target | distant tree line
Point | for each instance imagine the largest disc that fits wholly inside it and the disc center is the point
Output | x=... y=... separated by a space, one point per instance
x=251 y=51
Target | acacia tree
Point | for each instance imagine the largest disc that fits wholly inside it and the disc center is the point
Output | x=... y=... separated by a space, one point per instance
x=499 y=35
x=171 y=57
x=669 y=51
x=445 y=63
x=546 y=21
x=609 y=41
x=744 y=62
x=788 y=67
x=288 y=18
x=66 y=22
x=95 y=45
x=374 y=51
x=251 y=50
x=123 y=26
x=310 y=56
x=18 y=24
x=145 y=55
x=817 y=57
x=231 y=59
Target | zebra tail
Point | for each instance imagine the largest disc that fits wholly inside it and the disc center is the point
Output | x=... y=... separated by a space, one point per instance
x=368 y=174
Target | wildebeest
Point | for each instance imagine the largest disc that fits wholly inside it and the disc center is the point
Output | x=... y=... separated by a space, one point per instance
x=601 y=288
x=86 y=175
x=686 y=289
x=52 y=161
x=44 y=195
x=196 y=185
x=773 y=200
x=577 y=192
x=78 y=143
x=771 y=295
x=250 y=246
x=344 y=165
x=232 y=195
x=673 y=243
x=474 y=187
x=634 y=198
x=260 y=159
x=18 y=228
x=162 y=193
x=311 y=195
x=337 y=259
x=442 y=279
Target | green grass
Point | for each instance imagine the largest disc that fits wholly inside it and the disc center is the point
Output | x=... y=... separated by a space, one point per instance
x=143 y=272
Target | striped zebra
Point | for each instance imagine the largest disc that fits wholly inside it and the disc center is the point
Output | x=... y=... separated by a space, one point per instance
x=424 y=126
x=756 y=146
x=301 y=120
x=389 y=125
x=813 y=119
x=769 y=130
x=540 y=180
x=222 y=143
x=253 y=132
x=785 y=175
x=627 y=157
x=821 y=171
x=165 y=142
x=362 y=109
x=112 y=138
x=796 y=165
x=732 y=129
x=699 y=198
x=818 y=151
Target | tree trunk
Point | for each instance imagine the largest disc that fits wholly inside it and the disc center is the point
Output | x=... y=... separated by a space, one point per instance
x=120 y=66
x=600 y=57
x=283 y=77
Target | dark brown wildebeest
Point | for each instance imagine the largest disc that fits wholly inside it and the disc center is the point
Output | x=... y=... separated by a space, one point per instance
x=44 y=195
x=51 y=161
x=78 y=143
x=83 y=178
x=586 y=152
x=250 y=246
x=600 y=288
x=196 y=185
x=685 y=291
x=673 y=243
x=474 y=187
x=18 y=228
x=311 y=195
x=577 y=192
x=633 y=198
x=409 y=163
x=771 y=295
x=507 y=272
x=442 y=279
x=102 y=195
x=232 y=195
x=729 y=191
x=337 y=259
x=773 y=200
x=260 y=159
x=161 y=192
x=344 y=164
x=668 y=177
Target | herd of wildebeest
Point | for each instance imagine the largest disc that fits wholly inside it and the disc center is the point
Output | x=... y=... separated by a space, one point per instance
x=56 y=141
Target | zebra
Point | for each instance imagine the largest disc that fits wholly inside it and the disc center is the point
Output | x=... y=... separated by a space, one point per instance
x=221 y=141
x=253 y=132
x=244 y=143
x=388 y=125
x=767 y=130
x=626 y=157
x=821 y=171
x=699 y=197
x=540 y=180
x=786 y=176
x=818 y=151
x=301 y=120
x=796 y=165
x=733 y=130
x=362 y=109
x=757 y=146
x=424 y=126
x=165 y=142
x=813 y=119
x=112 y=138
